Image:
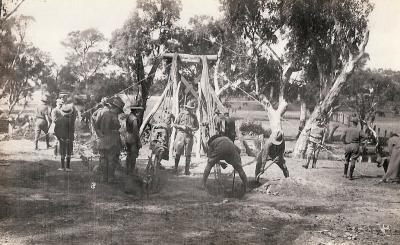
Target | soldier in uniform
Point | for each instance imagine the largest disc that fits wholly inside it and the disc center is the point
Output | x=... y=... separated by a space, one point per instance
x=222 y=148
x=316 y=139
x=186 y=124
x=109 y=143
x=103 y=106
x=43 y=120
x=230 y=127
x=133 y=143
x=273 y=150
x=219 y=129
x=56 y=112
x=352 y=138
x=64 y=131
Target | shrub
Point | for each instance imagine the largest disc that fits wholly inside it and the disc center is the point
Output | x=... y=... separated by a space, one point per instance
x=253 y=128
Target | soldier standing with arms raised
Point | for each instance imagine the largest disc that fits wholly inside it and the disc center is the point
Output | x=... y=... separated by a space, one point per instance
x=315 y=142
x=186 y=124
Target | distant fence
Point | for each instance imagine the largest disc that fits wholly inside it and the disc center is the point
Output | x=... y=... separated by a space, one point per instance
x=344 y=118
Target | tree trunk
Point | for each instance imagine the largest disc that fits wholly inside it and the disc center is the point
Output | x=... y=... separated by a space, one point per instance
x=330 y=98
x=303 y=115
x=256 y=77
x=145 y=84
x=216 y=70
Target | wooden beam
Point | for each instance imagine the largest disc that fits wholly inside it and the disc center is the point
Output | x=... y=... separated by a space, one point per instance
x=190 y=87
x=190 y=57
x=154 y=109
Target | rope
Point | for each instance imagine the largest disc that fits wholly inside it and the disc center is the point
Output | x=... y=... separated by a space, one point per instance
x=153 y=74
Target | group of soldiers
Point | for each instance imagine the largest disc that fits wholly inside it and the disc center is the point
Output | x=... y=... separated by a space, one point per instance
x=220 y=147
x=63 y=117
x=353 y=138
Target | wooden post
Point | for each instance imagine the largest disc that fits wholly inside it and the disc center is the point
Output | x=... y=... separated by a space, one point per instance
x=200 y=119
x=175 y=100
x=385 y=133
x=154 y=109
x=379 y=132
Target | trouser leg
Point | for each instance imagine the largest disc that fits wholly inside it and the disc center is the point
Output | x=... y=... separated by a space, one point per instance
x=206 y=173
x=308 y=161
x=259 y=165
x=47 y=140
x=37 y=135
x=314 y=158
x=282 y=166
x=62 y=162
x=112 y=163
x=177 y=158
x=346 y=167
x=352 y=167
x=128 y=162
x=68 y=162
x=103 y=165
x=242 y=176
x=187 y=165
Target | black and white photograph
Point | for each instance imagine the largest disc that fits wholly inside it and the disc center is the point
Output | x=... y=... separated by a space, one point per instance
x=210 y=122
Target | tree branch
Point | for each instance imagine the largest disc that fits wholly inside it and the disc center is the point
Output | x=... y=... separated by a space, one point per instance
x=14 y=10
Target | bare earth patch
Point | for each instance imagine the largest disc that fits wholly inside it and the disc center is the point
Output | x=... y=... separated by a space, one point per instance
x=40 y=205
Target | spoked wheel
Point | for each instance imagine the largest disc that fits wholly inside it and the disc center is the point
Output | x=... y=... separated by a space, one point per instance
x=152 y=179
x=220 y=187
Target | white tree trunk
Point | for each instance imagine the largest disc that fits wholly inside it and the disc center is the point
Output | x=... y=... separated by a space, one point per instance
x=216 y=70
x=328 y=102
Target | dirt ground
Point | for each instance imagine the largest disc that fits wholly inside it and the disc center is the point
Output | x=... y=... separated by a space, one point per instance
x=40 y=205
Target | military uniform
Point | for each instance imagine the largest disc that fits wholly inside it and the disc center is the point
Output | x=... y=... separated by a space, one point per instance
x=393 y=169
x=222 y=148
x=315 y=141
x=133 y=143
x=109 y=143
x=230 y=128
x=64 y=131
x=219 y=125
x=41 y=122
x=56 y=112
x=186 y=124
x=272 y=150
x=352 y=138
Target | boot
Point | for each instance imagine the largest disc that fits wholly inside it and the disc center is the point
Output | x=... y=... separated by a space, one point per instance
x=346 y=167
x=306 y=165
x=314 y=164
x=68 y=168
x=351 y=172
x=286 y=172
x=48 y=142
x=62 y=164
x=187 y=165
x=177 y=158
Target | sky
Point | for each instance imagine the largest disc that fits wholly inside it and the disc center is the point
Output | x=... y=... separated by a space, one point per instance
x=55 y=18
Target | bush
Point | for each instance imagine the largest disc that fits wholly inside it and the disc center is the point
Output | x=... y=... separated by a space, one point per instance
x=252 y=128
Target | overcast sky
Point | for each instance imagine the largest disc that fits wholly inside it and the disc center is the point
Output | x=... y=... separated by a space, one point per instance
x=55 y=18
